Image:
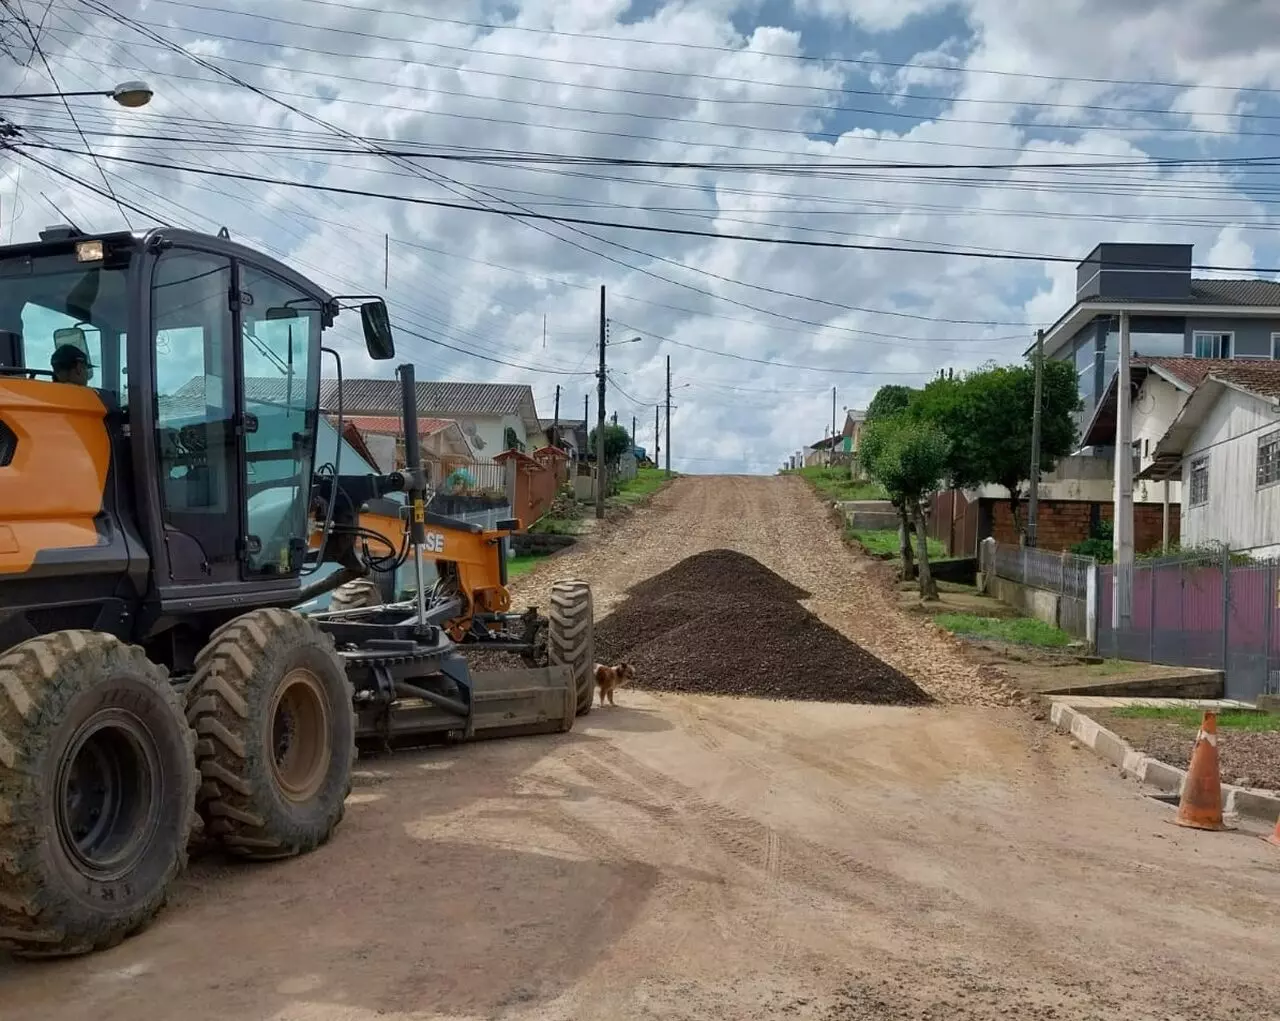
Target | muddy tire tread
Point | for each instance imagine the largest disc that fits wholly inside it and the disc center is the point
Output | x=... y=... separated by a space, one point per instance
x=222 y=705
x=33 y=701
x=571 y=637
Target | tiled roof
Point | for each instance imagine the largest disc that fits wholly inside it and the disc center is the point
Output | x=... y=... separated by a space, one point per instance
x=1191 y=372
x=391 y=425
x=374 y=396
x=565 y=423
x=1242 y=292
x=1261 y=378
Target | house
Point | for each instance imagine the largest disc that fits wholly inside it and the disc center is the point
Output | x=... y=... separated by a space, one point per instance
x=493 y=416
x=851 y=434
x=1224 y=447
x=440 y=440
x=1171 y=314
x=820 y=452
x=1174 y=318
x=570 y=436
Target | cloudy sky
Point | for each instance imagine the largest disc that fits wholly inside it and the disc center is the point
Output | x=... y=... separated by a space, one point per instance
x=788 y=111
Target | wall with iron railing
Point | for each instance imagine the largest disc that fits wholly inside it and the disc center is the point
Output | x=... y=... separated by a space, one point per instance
x=1215 y=610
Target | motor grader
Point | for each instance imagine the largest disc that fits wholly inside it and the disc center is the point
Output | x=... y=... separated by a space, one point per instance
x=161 y=518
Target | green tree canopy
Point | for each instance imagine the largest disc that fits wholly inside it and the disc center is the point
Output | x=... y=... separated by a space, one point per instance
x=617 y=441
x=986 y=416
x=908 y=456
x=889 y=400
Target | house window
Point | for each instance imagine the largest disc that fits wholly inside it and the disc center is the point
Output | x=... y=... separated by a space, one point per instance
x=1199 y=482
x=1269 y=459
x=1212 y=345
x=1275 y=347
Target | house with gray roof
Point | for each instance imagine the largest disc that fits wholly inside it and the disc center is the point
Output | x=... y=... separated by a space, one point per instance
x=1172 y=314
x=493 y=416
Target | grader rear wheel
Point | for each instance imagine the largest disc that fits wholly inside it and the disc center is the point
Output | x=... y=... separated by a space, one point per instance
x=275 y=730
x=355 y=595
x=97 y=793
x=571 y=637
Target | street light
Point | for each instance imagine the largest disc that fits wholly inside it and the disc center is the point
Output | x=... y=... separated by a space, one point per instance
x=128 y=94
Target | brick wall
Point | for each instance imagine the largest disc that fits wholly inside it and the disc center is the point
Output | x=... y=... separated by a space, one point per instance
x=1066 y=522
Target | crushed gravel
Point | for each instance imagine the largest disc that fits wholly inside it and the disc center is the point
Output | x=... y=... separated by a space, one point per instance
x=722 y=623
x=780 y=523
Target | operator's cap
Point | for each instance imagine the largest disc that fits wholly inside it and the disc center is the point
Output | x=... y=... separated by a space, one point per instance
x=66 y=356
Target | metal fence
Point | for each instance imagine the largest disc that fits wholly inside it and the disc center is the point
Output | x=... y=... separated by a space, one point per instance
x=1212 y=613
x=1064 y=574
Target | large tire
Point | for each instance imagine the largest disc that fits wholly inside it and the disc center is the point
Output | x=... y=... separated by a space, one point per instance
x=97 y=793
x=275 y=735
x=571 y=637
x=356 y=594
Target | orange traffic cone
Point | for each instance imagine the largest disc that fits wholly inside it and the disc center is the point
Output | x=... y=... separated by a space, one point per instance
x=1275 y=837
x=1201 y=805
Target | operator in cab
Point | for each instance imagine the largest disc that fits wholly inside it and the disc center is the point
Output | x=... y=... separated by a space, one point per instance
x=71 y=365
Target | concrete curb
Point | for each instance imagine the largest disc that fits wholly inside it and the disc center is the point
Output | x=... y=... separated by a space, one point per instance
x=1264 y=805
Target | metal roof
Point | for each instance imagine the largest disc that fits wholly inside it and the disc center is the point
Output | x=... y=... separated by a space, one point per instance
x=382 y=396
x=1247 y=298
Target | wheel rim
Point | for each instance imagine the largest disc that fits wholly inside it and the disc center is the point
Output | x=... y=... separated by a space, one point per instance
x=107 y=804
x=300 y=750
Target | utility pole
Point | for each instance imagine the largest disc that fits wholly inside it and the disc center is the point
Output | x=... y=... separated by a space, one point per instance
x=831 y=456
x=555 y=425
x=1033 y=501
x=586 y=411
x=633 y=430
x=614 y=418
x=668 y=416
x=600 y=416
x=1122 y=535
x=657 y=437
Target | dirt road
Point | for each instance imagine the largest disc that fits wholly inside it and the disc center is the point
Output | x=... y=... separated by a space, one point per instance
x=695 y=858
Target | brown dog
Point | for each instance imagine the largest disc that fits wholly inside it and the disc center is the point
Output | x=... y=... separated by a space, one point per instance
x=610 y=678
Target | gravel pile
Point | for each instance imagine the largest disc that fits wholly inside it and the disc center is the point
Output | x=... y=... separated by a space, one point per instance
x=721 y=623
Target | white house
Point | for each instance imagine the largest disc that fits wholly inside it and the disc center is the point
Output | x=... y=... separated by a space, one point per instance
x=1159 y=388
x=492 y=416
x=1224 y=447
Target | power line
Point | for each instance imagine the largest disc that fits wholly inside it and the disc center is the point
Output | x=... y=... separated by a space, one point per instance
x=890 y=113
x=799 y=57
x=648 y=228
x=766 y=361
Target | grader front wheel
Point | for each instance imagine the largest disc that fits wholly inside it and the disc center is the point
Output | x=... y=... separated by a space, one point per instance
x=275 y=730
x=571 y=637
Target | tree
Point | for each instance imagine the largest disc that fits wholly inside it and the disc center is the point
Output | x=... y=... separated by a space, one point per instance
x=909 y=458
x=986 y=417
x=875 y=436
x=617 y=441
x=889 y=400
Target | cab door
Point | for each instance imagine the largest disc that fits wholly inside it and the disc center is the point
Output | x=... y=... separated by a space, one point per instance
x=279 y=378
x=193 y=375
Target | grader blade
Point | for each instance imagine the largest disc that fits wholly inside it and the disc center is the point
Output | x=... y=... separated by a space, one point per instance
x=507 y=703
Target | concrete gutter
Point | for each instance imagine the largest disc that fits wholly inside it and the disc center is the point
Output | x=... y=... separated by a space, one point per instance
x=1257 y=804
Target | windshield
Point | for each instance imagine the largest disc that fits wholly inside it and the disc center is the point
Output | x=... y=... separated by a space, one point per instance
x=49 y=302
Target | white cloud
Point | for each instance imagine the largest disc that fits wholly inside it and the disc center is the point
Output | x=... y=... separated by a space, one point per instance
x=414 y=79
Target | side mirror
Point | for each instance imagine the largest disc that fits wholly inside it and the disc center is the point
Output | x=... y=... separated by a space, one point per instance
x=377 y=330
